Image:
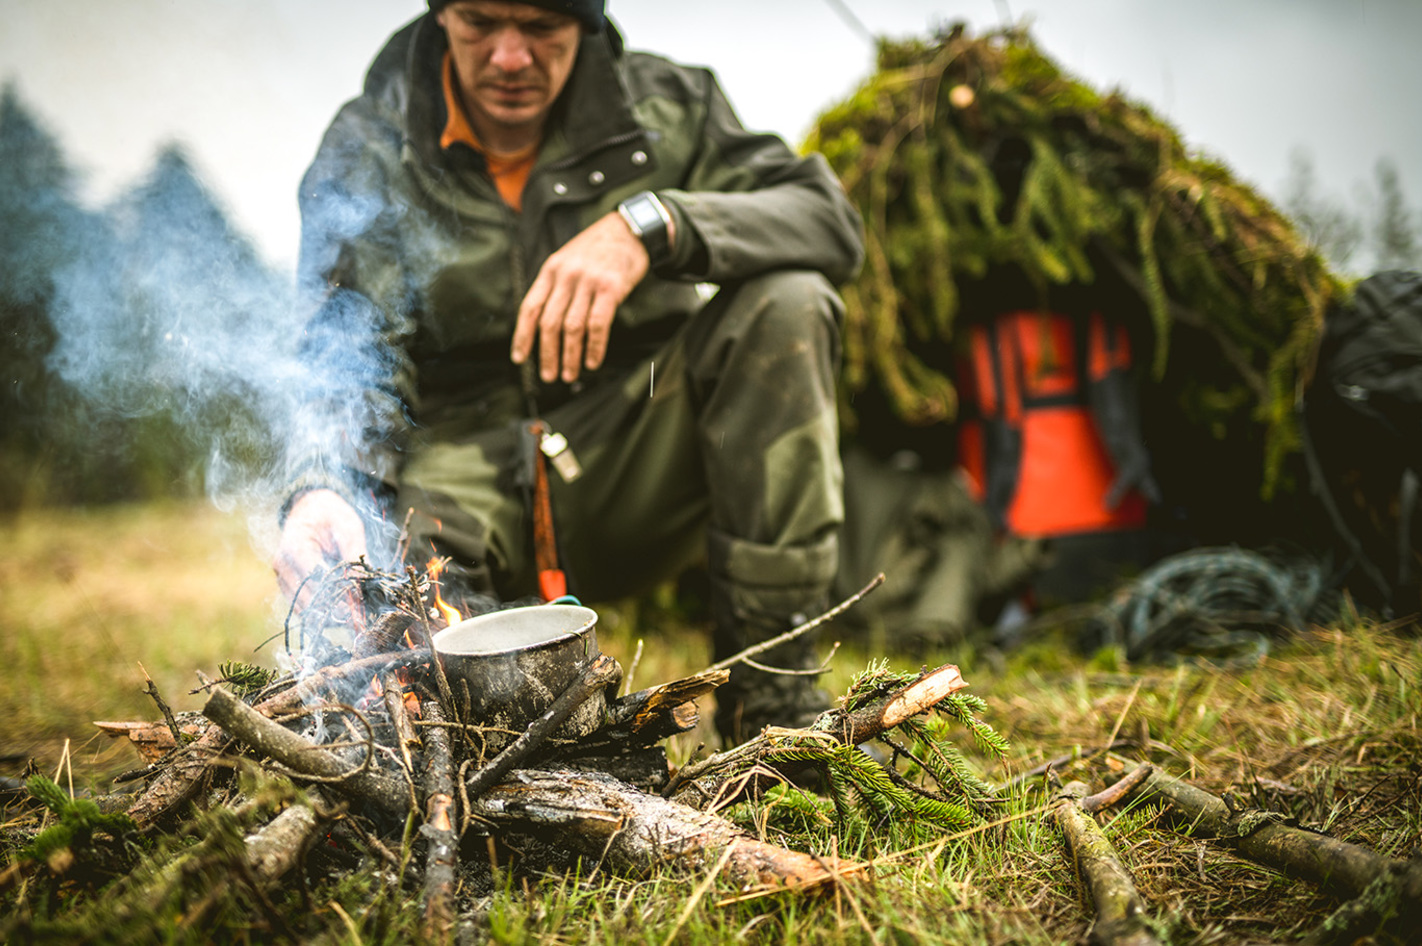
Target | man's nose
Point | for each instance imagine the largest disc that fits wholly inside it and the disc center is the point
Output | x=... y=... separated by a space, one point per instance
x=511 y=51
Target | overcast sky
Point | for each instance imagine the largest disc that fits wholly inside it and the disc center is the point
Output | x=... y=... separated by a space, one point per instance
x=249 y=85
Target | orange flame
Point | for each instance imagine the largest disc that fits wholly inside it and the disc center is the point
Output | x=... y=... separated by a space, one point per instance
x=450 y=614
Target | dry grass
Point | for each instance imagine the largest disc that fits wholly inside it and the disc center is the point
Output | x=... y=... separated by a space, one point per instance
x=1325 y=730
x=89 y=595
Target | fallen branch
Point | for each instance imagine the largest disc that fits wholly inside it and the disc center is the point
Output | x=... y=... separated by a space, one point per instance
x=1391 y=908
x=1337 y=867
x=598 y=816
x=852 y=728
x=1121 y=918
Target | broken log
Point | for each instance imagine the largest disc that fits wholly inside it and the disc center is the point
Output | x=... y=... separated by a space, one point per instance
x=636 y=833
x=1121 y=918
x=648 y=710
x=867 y=722
x=442 y=841
x=302 y=757
x=1337 y=867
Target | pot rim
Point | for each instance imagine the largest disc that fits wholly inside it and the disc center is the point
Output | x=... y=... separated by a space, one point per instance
x=494 y=617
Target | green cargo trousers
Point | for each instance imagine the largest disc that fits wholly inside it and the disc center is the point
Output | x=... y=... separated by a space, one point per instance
x=723 y=444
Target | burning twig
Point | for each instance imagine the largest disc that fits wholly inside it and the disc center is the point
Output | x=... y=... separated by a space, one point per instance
x=1121 y=918
x=392 y=693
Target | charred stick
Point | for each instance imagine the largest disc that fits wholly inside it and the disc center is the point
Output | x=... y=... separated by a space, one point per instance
x=1335 y=866
x=302 y=756
x=440 y=837
x=1121 y=918
x=601 y=672
x=313 y=686
x=177 y=784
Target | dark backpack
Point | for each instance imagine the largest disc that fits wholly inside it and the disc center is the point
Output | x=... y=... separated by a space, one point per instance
x=1362 y=433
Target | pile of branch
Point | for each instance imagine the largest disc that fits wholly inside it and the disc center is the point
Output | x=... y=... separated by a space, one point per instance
x=374 y=743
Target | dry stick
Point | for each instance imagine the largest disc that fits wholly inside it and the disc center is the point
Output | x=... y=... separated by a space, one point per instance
x=443 y=842
x=1337 y=867
x=803 y=629
x=1113 y=793
x=1121 y=918
x=601 y=672
x=1062 y=760
x=853 y=728
x=152 y=690
x=302 y=756
x=632 y=668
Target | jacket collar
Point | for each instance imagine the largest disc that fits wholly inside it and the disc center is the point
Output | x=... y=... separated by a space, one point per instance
x=594 y=110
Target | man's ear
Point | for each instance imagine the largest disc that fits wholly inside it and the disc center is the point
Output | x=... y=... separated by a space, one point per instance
x=440 y=17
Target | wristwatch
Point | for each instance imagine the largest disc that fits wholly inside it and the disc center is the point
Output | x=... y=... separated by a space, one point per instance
x=649 y=221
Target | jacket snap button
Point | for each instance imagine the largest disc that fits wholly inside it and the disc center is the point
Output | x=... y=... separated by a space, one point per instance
x=639 y=157
x=596 y=178
x=560 y=188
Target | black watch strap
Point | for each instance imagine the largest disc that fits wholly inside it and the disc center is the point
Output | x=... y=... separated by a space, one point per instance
x=649 y=220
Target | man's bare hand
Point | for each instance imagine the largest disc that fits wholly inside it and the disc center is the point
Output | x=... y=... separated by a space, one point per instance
x=321 y=530
x=570 y=306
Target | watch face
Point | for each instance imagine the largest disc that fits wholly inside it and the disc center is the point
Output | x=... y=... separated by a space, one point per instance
x=644 y=214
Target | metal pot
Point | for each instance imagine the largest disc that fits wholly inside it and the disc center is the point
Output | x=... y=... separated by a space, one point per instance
x=515 y=663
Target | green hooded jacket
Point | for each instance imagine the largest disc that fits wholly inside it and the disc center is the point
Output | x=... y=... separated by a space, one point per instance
x=416 y=267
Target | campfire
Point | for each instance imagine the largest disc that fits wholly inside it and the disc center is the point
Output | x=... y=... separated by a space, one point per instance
x=504 y=736
x=427 y=749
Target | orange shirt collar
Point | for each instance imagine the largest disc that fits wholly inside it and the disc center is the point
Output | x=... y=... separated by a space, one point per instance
x=509 y=171
x=456 y=127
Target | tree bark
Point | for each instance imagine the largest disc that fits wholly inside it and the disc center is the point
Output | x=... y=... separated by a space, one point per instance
x=637 y=833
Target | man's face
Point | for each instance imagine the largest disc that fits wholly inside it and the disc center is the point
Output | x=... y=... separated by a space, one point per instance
x=512 y=60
